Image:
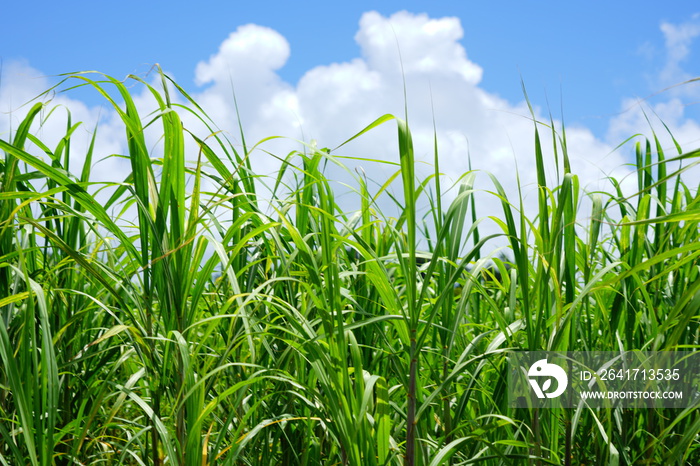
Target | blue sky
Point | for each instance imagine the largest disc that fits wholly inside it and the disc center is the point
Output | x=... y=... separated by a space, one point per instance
x=323 y=70
x=593 y=53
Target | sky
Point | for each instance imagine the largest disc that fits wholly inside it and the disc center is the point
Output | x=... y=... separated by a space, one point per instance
x=324 y=70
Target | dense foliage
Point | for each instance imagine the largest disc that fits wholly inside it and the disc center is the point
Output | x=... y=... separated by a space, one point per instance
x=228 y=327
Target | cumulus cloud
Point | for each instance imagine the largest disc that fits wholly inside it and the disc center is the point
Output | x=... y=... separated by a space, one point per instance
x=333 y=101
x=260 y=49
x=245 y=67
x=428 y=46
x=22 y=85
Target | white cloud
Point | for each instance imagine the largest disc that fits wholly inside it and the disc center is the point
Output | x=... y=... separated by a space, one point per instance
x=678 y=41
x=667 y=115
x=258 y=49
x=245 y=66
x=22 y=86
x=331 y=102
x=428 y=46
x=19 y=84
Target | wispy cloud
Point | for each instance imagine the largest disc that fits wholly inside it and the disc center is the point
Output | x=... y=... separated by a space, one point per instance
x=669 y=111
x=678 y=41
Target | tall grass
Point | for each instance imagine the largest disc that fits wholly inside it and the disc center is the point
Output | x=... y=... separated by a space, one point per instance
x=219 y=331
